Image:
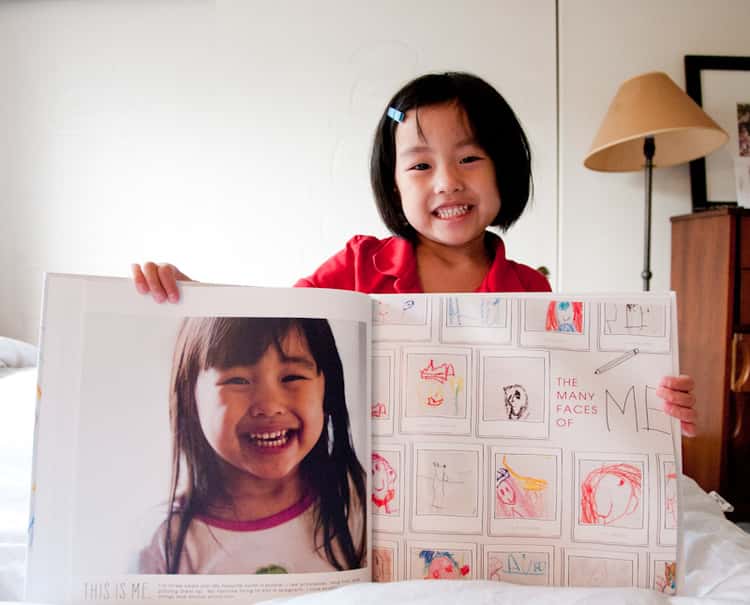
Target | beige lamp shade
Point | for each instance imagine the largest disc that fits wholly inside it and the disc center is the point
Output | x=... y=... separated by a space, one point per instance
x=652 y=105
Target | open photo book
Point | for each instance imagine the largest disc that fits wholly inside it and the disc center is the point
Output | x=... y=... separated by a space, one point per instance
x=248 y=443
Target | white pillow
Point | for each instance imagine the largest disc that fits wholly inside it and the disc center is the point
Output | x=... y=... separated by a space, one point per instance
x=16 y=354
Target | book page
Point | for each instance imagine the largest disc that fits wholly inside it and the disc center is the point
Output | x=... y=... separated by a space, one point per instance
x=519 y=438
x=239 y=410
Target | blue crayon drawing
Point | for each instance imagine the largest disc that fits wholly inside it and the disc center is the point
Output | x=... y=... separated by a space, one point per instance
x=519 y=567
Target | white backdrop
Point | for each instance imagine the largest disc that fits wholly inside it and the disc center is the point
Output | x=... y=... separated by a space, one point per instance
x=231 y=138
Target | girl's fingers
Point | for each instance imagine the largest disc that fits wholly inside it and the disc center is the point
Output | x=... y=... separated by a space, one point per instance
x=139 y=279
x=168 y=281
x=151 y=273
x=688 y=429
x=683 y=382
x=158 y=280
x=683 y=414
x=676 y=397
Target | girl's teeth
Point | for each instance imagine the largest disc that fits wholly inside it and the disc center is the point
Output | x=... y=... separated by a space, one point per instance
x=452 y=211
x=274 y=439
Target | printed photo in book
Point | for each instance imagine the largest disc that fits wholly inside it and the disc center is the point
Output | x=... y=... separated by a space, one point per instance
x=202 y=447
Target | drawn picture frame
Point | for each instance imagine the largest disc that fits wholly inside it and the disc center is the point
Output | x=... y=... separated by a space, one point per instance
x=702 y=173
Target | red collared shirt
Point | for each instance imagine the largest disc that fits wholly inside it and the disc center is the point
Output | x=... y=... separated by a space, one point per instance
x=389 y=266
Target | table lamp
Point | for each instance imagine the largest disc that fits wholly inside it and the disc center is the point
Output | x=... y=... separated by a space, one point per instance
x=652 y=123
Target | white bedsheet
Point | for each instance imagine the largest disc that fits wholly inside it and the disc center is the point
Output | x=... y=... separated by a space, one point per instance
x=715 y=553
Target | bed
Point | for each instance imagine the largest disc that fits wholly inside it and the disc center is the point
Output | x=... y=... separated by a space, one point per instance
x=714 y=552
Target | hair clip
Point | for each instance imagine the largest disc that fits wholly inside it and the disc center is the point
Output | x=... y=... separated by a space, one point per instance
x=395 y=115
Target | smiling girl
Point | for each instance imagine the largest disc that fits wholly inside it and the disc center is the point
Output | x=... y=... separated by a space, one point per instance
x=259 y=419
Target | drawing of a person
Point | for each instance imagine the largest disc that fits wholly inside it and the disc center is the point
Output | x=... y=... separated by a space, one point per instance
x=635 y=316
x=517 y=496
x=564 y=316
x=383 y=484
x=439 y=481
x=442 y=565
x=667 y=582
x=610 y=493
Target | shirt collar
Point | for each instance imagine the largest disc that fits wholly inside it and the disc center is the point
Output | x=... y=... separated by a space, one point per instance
x=395 y=257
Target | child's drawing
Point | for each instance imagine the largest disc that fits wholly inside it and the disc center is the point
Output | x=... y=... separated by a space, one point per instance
x=665 y=576
x=635 y=319
x=600 y=571
x=611 y=494
x=436 y=385
x=404 y=311
x=447 y=483
x=479 y=311
x=444 y=565
x=524 y=486
x=669 y=490
x=564 y=316
x=516 y=402
x=385 y=483
x=382 y=564
x=513 y=389
x=555 y=324
x=519 y=567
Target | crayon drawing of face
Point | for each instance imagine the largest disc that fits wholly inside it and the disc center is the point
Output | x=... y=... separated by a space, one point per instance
x=442 y=565
x=517 y=496
x=262 y=419
x=516 y=402
x=610 y=493
x=383 y=484
x=564 y=316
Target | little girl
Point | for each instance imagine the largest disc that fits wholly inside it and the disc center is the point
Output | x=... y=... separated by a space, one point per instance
x=264 y=475
x=449 y=159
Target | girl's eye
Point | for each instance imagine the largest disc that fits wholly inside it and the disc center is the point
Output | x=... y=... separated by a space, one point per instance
x=235 y=380
x=420 y=166
x=469 y=159
x=293 y=378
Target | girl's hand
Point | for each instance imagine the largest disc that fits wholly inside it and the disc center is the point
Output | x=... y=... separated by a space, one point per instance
x=160 y=280
x=679 y=401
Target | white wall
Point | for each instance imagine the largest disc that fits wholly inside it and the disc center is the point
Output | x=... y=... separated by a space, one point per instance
x=602 y=43
x=231 y=138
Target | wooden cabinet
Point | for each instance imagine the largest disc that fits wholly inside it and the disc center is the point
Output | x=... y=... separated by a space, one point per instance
x=711 y=276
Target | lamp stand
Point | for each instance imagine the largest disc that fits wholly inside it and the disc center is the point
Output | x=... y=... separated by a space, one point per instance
x=649 y=149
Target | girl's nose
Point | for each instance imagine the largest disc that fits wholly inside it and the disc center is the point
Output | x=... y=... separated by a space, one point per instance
x=266 y=399
x=448 y=180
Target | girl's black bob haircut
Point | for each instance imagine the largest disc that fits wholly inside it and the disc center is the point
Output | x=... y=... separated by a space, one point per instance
x=493 y=124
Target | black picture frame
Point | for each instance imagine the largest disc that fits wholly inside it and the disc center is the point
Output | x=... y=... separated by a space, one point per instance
x=694 y=64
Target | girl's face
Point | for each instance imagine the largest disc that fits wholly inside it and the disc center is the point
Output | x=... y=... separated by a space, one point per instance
x=263 y=419
x=445 y=179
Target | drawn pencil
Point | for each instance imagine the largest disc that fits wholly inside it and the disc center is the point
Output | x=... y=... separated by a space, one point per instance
x=616 y=361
